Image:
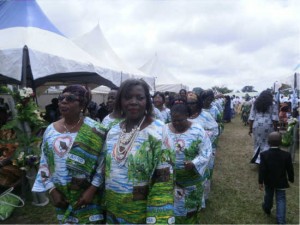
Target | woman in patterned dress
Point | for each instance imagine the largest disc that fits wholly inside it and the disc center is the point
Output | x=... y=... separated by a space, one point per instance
x=210 y=126
x=263 y=120
x=159 y=103
x=71 y=149
x=192 y=148
x=112 y=118
x=138 y=175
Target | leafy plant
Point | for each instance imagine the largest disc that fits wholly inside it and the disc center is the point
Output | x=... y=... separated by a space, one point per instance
x=26 y=125
x=191 y=152
x=287 y=137
x=5 y=90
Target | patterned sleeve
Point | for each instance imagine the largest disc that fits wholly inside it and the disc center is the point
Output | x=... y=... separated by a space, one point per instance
x=252 y=113
x=43 y=181
x=205 y=151
x=275 y=115
x=160 y=203
x=98 y=178
x=212 y=128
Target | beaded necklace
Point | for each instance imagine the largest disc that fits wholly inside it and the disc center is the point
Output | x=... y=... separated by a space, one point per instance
x=125 y=142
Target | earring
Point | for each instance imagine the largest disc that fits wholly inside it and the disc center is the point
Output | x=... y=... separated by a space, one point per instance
x=146 y=112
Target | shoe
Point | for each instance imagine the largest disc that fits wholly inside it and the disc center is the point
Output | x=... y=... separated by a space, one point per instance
x=268 y=212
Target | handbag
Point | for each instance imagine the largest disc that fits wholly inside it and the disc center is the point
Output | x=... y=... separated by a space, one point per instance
x=8 y=202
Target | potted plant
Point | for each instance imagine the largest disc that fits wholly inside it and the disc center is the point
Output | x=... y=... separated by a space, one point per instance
x=27 y=125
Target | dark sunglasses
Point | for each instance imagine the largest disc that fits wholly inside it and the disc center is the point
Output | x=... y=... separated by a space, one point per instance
x=191 y=103
x=69 y=98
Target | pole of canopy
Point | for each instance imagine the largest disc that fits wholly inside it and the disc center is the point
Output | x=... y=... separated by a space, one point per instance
x=24 y=67
x=121 y=78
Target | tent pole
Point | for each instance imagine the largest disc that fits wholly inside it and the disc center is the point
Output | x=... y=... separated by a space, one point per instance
x=121 y=78
x=24 y=67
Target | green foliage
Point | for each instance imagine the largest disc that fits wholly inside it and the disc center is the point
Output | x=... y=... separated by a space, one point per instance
x=191 y=152
x=285 y=89
x=5 y=90
x=223 y=90
x=248 y=89
x=142 y=164
x=26 y=125
x=198 y=90
x=287 y=137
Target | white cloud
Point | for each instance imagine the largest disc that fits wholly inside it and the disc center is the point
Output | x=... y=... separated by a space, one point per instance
x=203 y=43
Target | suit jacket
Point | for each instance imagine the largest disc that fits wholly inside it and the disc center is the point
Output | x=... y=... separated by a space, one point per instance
x=276 y=168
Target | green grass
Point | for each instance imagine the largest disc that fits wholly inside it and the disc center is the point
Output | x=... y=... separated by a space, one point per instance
x=234 y=198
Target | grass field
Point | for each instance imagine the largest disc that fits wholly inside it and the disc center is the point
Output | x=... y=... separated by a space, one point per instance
x=234 y=198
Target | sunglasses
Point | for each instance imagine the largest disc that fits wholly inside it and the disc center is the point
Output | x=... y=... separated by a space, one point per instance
x=69 y=98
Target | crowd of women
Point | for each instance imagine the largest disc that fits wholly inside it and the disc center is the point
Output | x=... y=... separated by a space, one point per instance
x=150 y=160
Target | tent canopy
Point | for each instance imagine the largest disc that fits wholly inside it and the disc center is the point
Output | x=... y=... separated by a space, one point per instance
x=165 y=80
x=243 y=94
x=94 y=43
x=170 y=87
x=51 y=56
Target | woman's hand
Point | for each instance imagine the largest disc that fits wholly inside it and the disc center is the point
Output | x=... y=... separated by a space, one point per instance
x=59 y=199
x=86 y=197
x=189 y=165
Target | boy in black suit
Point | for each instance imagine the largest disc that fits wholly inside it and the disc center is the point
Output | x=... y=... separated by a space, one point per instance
x=275 y=170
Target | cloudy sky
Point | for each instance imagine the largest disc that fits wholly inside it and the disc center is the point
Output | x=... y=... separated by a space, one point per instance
x=203 y=43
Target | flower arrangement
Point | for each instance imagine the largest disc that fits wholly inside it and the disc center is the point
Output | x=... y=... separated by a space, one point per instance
x=26 y=126
x=24 y=162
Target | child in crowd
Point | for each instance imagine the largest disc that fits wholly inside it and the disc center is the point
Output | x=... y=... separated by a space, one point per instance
x=275 y=170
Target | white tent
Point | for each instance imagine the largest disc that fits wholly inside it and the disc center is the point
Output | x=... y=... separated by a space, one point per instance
x=31 y=45
x=94 y=43
x=101 y=89
x=242 y=94
x=165 y=80
x=171 y=87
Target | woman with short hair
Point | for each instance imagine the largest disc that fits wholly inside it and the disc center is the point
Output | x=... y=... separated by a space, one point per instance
x=71 y=149
x=138 y=175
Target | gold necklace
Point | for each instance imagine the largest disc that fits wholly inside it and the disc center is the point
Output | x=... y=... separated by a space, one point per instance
x=68 y=130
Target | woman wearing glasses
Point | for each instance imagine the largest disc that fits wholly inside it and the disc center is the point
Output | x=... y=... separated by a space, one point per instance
x=71 y=149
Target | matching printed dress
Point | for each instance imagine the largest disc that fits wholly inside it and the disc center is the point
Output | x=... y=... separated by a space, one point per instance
x=140 y=188
x=193 y=145
x=69 y=162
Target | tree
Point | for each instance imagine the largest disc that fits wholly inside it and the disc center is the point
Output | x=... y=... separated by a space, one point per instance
x=248 y=89
x=197 y=90
x=223 y=90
